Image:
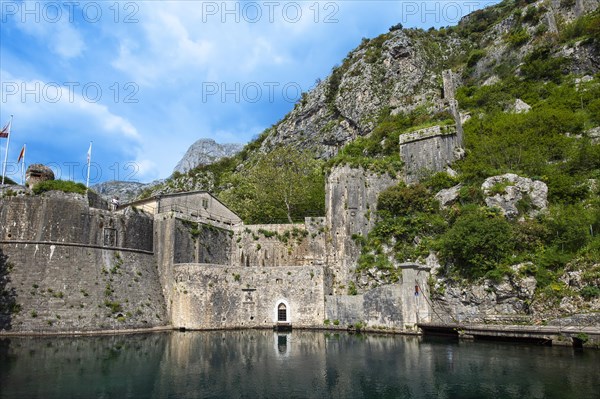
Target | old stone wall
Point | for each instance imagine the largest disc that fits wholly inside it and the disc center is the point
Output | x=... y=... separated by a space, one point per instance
x=66 y=288
x=201 y=243
x=67 y=218
x=350 y=201
x=280 y=244
x=428 y=151
x=212 y=297
x=398 y=306
x=68 y=267
x=164 y=253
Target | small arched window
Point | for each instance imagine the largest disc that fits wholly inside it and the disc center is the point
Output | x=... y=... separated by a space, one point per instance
x=281 y=312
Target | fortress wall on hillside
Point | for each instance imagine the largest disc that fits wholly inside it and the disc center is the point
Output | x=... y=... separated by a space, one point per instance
x=273 y=245
x=428 y=150
x=210 y=297
x=350 y=202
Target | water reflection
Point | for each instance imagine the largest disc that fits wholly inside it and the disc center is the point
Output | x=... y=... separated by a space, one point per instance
x=251 y=364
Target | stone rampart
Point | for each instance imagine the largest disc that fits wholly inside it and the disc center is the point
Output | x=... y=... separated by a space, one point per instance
x=67 y=267
x=63 y=288
x=69 y=219
x=428 y=150
x=350 y=202
x=216 y=296
x=280 y=244
x=399 y=306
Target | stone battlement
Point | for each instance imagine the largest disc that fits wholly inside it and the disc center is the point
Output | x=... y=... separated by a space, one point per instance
x=428 y=151
x=427 y=133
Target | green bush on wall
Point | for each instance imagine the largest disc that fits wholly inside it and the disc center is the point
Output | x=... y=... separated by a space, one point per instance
x=65 y=186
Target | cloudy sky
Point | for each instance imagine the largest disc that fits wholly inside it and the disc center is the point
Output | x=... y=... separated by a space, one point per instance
x=144 y=79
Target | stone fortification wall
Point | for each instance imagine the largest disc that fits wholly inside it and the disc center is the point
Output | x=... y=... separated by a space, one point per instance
x=64 y=288
x=164 y=253
x=210 y=297
x=201 y=243
x=428 y=150
x=392 y=306
x=68 y=219
x=350 y=200
x=280 y=244
x=58 y=274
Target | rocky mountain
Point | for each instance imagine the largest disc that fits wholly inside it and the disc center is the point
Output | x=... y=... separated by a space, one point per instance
x=510 y=227
x=125 y=190
x=399 y=74
x=400 y=71
x=205 y=152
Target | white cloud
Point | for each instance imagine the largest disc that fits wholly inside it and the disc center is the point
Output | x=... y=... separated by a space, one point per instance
x=39 y=101
x=61 y=36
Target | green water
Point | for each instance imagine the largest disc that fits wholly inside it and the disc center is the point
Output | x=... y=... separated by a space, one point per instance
x=255 y=364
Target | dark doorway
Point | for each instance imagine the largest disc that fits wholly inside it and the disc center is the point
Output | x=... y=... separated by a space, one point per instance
x=281 y=312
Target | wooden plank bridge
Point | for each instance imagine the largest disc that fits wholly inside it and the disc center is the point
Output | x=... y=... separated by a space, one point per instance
x=544 y=335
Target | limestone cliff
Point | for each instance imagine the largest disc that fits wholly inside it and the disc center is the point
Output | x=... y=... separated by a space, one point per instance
x=205 y=152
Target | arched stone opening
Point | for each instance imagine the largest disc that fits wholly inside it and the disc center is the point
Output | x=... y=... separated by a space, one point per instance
x=282 y=312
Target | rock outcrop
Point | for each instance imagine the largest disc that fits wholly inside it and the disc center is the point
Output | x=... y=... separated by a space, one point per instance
x=504 y=301
x=125 y=190
x=37 y=173
x=512 y=194
x=205 y=152
x=448 y=196
x=393 y=71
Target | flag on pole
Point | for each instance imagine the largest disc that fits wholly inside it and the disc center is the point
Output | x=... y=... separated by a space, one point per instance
x=5 y=133
x=5 y=130
x=89 y=154
x=21 y=154
x=22 y=158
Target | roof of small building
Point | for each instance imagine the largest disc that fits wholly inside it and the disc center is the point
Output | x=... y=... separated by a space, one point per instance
x=170 y=195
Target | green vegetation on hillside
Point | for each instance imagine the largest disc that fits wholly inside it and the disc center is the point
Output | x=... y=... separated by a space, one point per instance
x=8 y=180
x=284 y=185
x=547 y=143
x=378 y=152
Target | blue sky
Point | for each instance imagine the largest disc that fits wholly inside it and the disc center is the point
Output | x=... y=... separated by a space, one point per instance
x=143 y=80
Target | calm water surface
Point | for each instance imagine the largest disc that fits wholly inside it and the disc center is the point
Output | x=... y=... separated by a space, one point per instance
x=264 y=364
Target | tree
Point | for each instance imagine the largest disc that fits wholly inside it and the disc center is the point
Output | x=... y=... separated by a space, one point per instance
x=283 y=184
x=477 y=243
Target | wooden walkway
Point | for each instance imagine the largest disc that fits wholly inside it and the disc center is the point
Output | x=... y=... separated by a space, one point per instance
x=548 y=335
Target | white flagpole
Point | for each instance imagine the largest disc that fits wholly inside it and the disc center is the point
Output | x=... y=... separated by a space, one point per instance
x=89 y=160
x=6 y=153
x=23 y=165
